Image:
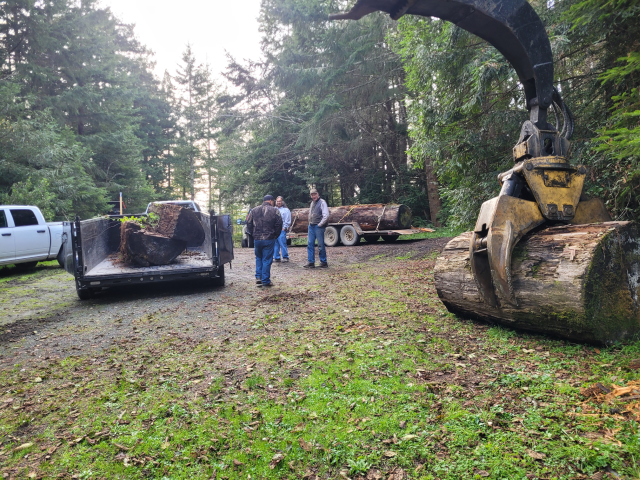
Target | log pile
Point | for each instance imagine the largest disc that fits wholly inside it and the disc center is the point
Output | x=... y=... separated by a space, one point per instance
x=161 y=243
x=370 y=217
x=579 y=282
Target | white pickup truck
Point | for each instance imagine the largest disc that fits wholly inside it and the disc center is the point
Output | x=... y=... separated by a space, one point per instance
x=26 y=238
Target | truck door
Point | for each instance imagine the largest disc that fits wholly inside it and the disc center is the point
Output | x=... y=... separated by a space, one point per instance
x=225 y=238
x=32 y=240
x=7 y=240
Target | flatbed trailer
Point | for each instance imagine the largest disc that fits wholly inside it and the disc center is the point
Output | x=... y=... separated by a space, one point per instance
x=350 y=233
x=91 y=254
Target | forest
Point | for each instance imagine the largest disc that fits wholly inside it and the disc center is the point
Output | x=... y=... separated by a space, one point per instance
x=417 y=111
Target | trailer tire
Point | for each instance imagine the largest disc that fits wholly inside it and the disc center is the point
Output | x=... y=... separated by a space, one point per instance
x=219 y=282
x=331 y=236
x=371 y=238
x=243 y=243
x=288 y=241
x=84 y=293
x=390 y=238
x=349 y=236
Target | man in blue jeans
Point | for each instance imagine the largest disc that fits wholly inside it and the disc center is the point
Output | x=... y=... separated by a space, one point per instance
x=281 y=242
x=318 y=219
x=264 y=224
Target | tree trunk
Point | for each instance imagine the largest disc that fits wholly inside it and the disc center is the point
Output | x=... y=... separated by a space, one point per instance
x=178 y=223
x=146 y=249
x=432 y=191
x=579 y=282
x=367 y=216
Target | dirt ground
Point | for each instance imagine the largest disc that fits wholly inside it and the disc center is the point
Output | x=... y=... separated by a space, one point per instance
x=42 y=318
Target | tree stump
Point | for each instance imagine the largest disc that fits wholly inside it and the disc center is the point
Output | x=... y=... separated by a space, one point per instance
x=178 y=223
x=579 y=282
x=146 y=249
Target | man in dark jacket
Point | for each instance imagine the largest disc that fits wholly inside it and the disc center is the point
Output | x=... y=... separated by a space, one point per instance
x=264 y=224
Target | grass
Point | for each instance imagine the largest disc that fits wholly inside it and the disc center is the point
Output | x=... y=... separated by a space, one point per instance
x=383 y=380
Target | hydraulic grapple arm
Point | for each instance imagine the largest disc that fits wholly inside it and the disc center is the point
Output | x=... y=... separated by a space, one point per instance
x=542 y=186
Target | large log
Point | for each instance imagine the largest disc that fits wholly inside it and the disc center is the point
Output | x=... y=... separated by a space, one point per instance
x=369 y=217
x=178 y=223
x=145 y=249
x=579 y=282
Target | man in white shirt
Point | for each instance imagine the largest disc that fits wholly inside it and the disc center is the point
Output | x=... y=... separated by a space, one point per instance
x=281 y=241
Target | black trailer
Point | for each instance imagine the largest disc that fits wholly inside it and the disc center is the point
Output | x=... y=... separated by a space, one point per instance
x=91 y=255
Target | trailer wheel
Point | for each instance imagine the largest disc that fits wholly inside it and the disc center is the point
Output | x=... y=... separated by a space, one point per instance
x=371 y=238
x=288 y=241
x=349 y=236
x=390 y=238
x=84 y=293
x=243 y=243
x=219 y=282
x=331 y=237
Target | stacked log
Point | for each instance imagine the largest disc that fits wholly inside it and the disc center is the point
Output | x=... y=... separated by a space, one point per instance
x=579 y=282
x=370 y=217
x=160 y=244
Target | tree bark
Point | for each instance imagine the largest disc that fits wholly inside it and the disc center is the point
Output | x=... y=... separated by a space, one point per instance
x=435 y=205
x=367 y=216
x=579 y=282
x=178 y=223
x=145 y=248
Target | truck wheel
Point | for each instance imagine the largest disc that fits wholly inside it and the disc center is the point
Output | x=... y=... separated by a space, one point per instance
x=331 y=236
x=390 y=238
x=219 y=282
x=26 y=266
x=84 y=293
x=349 y=236
x=243 y=243
x=288 y=241
x=371 y=238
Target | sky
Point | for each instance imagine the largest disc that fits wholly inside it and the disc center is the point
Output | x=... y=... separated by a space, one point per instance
x=211 y=26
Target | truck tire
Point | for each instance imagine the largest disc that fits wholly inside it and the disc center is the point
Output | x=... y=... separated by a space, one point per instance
x=371 y=238
x=331 y=237
x=26 y=266
x=219 y=282
x=60 y=257
x=349 y=236
x=390 y=238
x=84 y=293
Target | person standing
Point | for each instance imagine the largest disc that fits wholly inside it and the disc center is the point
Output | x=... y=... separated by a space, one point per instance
x=318 y=219
x=281 y=242
x=264 y=224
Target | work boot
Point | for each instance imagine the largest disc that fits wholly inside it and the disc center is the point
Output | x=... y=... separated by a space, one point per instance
x=277 y=260
x=285 y=260
x=309 y=265
x=270 y=284
x=324 y=265
x=258 y=281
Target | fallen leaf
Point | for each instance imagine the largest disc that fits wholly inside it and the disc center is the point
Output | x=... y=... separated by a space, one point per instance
x=389 y=453
x=408 y=437
x=635 y=364
x=403 y=424
x=37 y=379
x=237 y=463
x=482 y=473
x=298 y=428
x=122 y=447
x=374 y=474
x=277 y=458
x=536 y=455
x=304 y=445
x=24 y=446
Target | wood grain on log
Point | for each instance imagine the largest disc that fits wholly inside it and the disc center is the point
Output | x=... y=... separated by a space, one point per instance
x=369 y=217
x=580 y=282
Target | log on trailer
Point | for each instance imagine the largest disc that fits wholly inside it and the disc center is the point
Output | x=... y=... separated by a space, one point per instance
x=370 y=217
x=579 y=282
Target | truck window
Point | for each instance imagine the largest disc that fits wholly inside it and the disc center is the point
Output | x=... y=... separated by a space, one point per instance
x=3 y=219
x=24 y=218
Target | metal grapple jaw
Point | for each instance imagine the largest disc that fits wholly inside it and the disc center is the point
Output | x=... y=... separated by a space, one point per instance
x=536 y=190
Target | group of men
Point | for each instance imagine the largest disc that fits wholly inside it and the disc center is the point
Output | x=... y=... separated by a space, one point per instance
x=269 y=223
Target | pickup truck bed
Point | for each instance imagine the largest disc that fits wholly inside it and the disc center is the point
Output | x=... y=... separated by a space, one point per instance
x=92 y=256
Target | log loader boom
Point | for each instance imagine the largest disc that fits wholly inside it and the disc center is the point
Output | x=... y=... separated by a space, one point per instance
x=542 y=186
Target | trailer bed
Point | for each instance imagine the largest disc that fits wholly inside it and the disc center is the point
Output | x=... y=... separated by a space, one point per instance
x=113 y=266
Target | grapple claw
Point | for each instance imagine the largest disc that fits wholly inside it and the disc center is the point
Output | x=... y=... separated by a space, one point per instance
x=502 y=222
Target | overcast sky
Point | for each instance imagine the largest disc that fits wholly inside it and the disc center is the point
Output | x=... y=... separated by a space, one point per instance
x=211 y=26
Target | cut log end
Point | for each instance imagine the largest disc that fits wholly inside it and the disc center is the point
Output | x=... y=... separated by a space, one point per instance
x=579 y=282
